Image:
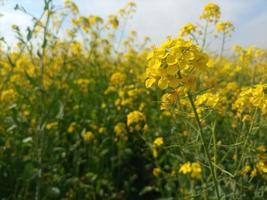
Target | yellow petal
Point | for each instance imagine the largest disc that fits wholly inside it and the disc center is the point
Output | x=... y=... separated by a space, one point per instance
x=172 y=69
x=171 y=59
x=163 y=83
x=174 y=82
x=150 y=82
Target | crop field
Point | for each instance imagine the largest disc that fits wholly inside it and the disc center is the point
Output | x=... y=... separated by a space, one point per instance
x=89 y=111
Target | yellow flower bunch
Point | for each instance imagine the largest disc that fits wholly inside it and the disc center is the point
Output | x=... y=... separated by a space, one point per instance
x=211 y=12
x=191 y=168
x=120 y=129
x=113 y=20
x=262 y=166
x=72 y=127
x=72 y=6
x=135 y=120
x=118 y=78
x=225 y=27
x=158 y=141
x=174 y=64
x=252 y=97
x=52 y=125
x=209 y=99
x=88 y=136
x=187 y=29
x=156 y=171
x=83 y=84
x=168 y=100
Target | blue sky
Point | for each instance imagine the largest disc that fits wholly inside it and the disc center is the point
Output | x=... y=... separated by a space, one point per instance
x=159 y=18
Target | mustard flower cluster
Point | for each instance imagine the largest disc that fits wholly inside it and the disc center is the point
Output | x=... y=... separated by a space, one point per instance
x=174 y=64
x=187 y=29
x=225 y=27
x=251 y=98
x=135 y=121
x=211 y=12
x=191 y=168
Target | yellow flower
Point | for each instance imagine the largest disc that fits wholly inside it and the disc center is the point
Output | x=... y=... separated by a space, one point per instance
x=155 y=152
x=262 y=166
x=225 y=27
x=7 y=95
x=156 y=171
x=196 y=170
x=102 y=130
x=158 y=142
x=246 y=170
x=118 y=78
x=135 y=117
x=83 y=83
x=174 y=64
x=187 y=29
x=88 y=136
x=211 y=12
x=52 y=125
x=119 y=129
x=208 y=99
x=253 y=173
x=113 y=20
x=72 y=127
x=185 y=168
x=261 y=148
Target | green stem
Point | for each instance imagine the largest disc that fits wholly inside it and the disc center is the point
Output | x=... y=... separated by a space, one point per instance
x=205 y=35
x=204 y=145
x=223 y=43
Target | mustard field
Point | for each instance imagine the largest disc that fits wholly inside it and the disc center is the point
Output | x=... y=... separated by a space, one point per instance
x=89 y=114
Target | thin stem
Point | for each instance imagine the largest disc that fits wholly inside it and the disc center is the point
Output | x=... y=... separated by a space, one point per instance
x=223 y=43
x=205 y=35
x=214 y=148
x=40 y=135
x=204 y=144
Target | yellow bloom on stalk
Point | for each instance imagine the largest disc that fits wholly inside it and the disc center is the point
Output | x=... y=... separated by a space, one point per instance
x=7 y=95
x=253 y=173
x=72 y=6
x=211 y=12
x=135 y=117
x=83 y=83
x=156 y=144
x=187 y=29
x=72 y=127
x=262 y=166
x=113 y=20
x=246 y=170
x=168 y=100
x=173 y=63
x=196 y=170
x=156 y=171
x=119 y=129
x=225 y=27
x=185 y=168
x=102 y=130
x=118 y=78
x=261 y=148
x=191 y=168
x=52 y=125
x=88 y=136
x=252 y=97
x=95 y=20
x=209 y=99
x=158 y=141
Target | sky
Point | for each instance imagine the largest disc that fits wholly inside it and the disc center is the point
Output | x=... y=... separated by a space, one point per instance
x=158 y=18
